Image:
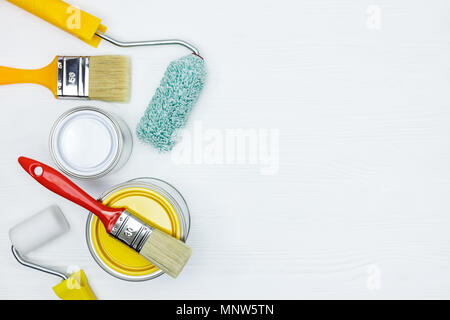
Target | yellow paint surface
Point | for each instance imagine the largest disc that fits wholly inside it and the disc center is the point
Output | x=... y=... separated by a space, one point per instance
x=150 y=207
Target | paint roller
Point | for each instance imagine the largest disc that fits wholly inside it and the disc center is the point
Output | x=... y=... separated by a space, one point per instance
x=35 y=232
x=179 y=89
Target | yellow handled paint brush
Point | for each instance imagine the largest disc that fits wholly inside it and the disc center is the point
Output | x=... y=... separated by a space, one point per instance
x=104 y=78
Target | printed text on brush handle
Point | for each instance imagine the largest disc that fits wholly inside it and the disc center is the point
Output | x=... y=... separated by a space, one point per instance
x=61 y=185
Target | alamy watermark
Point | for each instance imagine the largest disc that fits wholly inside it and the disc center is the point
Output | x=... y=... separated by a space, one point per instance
x=229 y=147
x=74 y=18
x=373 y=21
x=373 y=281
x=74 y=281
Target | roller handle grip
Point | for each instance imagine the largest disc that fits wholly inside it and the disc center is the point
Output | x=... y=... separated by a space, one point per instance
x=61 y=185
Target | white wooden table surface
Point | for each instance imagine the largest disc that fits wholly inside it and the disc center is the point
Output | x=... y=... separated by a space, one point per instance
x=355 y=96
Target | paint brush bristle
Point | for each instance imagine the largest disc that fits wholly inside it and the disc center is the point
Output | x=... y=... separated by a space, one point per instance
x=109 y=78
x=166 y=252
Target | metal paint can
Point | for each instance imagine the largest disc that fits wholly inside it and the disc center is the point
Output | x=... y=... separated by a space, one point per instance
x=88 y=143
x=155 y=202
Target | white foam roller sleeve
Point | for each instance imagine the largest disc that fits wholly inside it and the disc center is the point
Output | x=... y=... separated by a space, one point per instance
x=39 y=229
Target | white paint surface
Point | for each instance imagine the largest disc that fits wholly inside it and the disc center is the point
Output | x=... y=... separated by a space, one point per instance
x=85 y=143
x=359 y=91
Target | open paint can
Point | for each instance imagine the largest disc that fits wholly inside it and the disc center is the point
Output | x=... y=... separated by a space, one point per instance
x=156 y=203
x=88 y=143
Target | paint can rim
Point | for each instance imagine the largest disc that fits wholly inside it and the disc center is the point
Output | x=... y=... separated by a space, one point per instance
x=170 y=193
x=117 y=129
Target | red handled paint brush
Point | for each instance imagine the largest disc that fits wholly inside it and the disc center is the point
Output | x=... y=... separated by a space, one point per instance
x=165 y=252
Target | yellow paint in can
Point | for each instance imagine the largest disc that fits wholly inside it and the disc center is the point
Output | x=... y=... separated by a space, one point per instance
x=150 y=207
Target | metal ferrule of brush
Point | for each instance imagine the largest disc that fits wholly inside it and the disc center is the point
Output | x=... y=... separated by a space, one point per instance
x=73 y=78
x=131 y=231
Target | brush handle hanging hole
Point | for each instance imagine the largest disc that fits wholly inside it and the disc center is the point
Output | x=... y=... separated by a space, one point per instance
x=38 y=171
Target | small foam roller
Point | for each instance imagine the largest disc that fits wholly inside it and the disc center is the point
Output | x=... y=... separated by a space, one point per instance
x=38 y=230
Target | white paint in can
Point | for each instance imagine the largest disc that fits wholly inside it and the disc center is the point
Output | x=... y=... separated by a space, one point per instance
x=87 y=142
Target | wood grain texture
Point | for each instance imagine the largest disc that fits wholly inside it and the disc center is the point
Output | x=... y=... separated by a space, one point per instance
x=358 y=207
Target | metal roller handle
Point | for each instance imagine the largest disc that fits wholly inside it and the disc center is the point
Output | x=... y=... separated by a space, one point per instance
x=148 y=43
x=32 y=265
